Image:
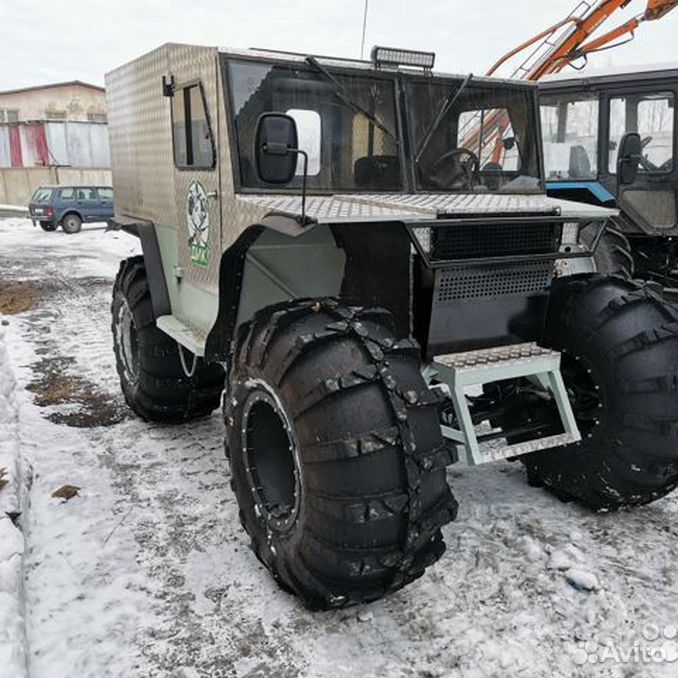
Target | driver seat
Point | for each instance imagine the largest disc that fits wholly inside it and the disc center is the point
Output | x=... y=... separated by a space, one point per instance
x=377 y=172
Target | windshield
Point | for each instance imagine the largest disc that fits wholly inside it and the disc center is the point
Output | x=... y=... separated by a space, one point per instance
x=346 y=124
x=462 y=135
x=570 y=129
x=473 y=137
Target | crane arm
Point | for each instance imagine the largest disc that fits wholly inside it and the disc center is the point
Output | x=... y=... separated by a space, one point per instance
x=565 y=46
x=576 y=37
x=656 y=9
x=555 y=48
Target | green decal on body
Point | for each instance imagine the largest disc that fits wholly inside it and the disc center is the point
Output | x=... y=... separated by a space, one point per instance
x=198 y=221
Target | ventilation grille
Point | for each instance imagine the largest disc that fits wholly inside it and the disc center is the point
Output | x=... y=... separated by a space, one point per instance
x=471 y=241
x=488 y=281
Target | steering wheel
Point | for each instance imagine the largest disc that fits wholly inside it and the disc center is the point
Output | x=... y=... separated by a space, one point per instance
x=463 y=172
x=645 y=162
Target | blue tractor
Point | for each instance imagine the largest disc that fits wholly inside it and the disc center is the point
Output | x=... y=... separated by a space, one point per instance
x=589 y=123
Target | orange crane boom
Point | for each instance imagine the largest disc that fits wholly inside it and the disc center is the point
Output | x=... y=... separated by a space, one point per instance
x=558 y=46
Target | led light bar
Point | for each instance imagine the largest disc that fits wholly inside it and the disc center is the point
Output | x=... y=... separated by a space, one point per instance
x=393 y=56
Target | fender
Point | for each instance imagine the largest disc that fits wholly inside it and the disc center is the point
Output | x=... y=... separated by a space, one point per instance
x=145 y=231
x=332 y=263
x=592 y=192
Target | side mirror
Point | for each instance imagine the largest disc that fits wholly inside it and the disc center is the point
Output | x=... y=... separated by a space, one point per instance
x=276 y=148
x=628 y=158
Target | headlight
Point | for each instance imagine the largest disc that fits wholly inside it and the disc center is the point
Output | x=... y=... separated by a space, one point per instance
x=423 y=236
x=570 y=234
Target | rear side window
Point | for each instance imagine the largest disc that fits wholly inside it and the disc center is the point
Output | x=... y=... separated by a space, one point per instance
x=67 y=193
x=42 y=195
x=86 y=194
x=310 y=137
x=106 y=193
x=191 y=132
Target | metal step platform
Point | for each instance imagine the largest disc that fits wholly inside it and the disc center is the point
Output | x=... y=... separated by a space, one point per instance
x=475 y=368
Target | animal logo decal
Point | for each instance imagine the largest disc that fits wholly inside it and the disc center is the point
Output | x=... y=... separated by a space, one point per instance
x=198 y=221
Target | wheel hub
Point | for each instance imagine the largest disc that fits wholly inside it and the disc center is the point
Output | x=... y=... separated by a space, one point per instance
x=271 y=460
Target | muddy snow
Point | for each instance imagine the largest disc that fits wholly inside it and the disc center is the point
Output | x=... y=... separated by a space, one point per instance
x=145 y=571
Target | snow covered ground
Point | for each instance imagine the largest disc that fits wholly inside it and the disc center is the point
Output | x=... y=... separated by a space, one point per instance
x=146 y=572
x=12 y=631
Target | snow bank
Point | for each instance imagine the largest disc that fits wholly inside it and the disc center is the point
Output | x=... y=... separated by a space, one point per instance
x=12 y=632
x=13 y=210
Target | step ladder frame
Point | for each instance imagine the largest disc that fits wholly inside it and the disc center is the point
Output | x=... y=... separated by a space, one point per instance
x=520 y=361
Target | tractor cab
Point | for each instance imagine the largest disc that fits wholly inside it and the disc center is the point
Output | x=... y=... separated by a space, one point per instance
x=585 y=122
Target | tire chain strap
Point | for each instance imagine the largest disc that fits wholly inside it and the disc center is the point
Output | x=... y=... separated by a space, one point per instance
x=399 y=407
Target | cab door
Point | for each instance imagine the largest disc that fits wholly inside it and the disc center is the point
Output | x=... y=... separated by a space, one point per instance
x=196 y=180
x=87 y=201
x=650 y=201
x=194 y=118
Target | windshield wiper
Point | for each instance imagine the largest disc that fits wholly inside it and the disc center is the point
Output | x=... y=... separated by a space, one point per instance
x=348 y=99
x=450 y=100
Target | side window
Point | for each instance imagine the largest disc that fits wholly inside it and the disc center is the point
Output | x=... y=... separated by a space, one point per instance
x=193 y=142
x=67 y=194
x=106 y=193
x=652 y=116
x=86 y=194
x=9 y=115
x=309 y=131
x=570 y=131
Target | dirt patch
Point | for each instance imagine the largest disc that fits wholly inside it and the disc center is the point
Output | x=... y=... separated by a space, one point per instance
x=86 y=405
x=19 y=296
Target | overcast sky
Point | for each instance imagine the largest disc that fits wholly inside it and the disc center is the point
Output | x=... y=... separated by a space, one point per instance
x=47 y=40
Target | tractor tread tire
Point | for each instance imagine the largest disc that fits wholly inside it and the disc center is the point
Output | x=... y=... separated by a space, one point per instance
x=372 y=455
x=626 y=334
x=162 y=391
x=613 y=256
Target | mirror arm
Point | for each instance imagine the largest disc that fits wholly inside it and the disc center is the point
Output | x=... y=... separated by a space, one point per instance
x=304 y=155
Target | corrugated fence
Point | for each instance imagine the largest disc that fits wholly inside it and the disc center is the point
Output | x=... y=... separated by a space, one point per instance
x=54 y=144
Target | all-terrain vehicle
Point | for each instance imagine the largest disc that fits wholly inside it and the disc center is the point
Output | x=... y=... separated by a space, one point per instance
x=373 y=299
x=584 y=119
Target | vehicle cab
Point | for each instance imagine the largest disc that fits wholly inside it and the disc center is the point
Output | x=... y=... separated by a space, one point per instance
x=584 y=120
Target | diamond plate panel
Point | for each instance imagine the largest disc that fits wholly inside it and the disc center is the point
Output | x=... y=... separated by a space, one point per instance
x=140 y=139
x=422 y=205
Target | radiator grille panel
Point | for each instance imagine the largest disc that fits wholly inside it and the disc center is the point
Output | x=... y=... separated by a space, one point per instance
x=490 y=281
x=470 y=241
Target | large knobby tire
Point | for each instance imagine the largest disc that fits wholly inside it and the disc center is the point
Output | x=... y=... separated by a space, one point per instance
x=153 y=380
x=613 y=254
x=620 y=363
x=336 y=453
x=71 y=224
